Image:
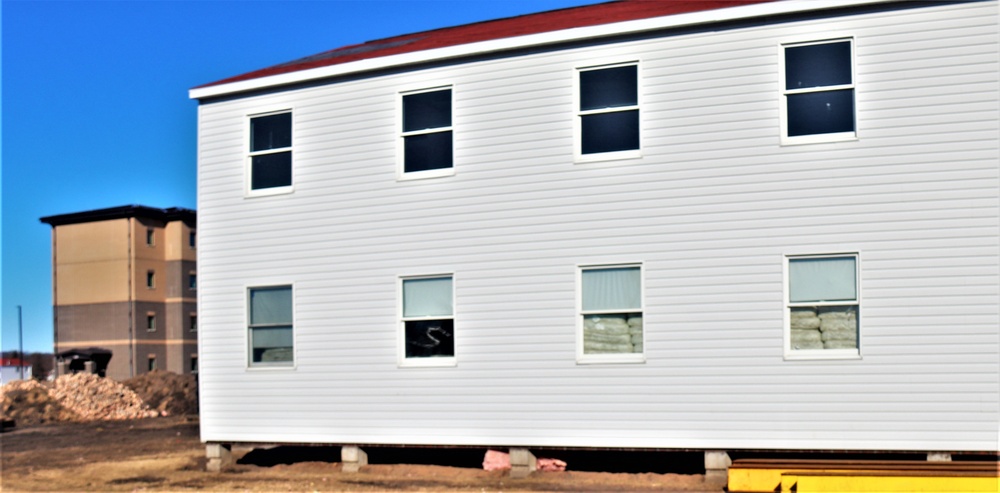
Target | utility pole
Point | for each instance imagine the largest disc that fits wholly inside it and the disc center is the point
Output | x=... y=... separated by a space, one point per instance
x=20 y=343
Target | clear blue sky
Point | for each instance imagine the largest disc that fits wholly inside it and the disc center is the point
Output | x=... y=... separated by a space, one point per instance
x=96 y=113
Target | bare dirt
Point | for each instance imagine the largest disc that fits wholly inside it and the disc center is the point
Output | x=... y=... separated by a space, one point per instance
x=166 y=454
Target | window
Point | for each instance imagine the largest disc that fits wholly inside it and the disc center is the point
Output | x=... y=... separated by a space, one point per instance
x=271 y=151
x=192 y=239
x=818 y=91
x=151 y=363
x=150 y=237
x=428 y=325
x=194 y=363
x=271 y=326
x=151 y=322
x=427 y=133
x=150 y=279
x=610 y=320
x=192 y=322
x=822 y=306
x=609 y=110
x=193 y=281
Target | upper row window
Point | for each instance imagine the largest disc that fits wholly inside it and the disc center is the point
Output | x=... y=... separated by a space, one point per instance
x=609 y=110
x=818 y=92
x=817 y=98
x=271 y=152
x=427 y=133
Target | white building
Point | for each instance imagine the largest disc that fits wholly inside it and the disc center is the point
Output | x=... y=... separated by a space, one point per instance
x=12 y=369
x=768 y=226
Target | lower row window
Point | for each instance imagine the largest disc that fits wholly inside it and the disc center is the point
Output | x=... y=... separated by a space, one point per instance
x=271 y=326
x=611 y=314
x=822 y=314
x=428 y=319
x=822 y=303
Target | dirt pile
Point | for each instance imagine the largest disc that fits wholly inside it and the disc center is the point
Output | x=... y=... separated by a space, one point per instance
x=95 y=398
x=29 y=402
x=166 y=392
x=87 y=397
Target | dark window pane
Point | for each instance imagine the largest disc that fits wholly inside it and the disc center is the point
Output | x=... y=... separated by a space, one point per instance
x=427 y=338
x=426 y=110
x=427 y=151
x=821 y=112
x=826 y=64
x=271 y=170
x=607 y=88
x=608 y=132
x=271 y=132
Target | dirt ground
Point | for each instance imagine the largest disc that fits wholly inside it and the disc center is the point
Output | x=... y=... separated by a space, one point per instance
x=166 y=454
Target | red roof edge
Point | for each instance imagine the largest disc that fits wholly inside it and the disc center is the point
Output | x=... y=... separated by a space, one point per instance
x=549 y=21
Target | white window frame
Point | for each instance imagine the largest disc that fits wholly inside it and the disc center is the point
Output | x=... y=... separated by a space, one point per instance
x=249 y=191
x=437 y=361
x=578 y=155
x=784 y=92
x=584 y=358
x=248 y=342
x=819 y=354
x=401 y=174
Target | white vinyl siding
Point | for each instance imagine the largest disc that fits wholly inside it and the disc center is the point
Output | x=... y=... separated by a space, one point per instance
x=711 y=209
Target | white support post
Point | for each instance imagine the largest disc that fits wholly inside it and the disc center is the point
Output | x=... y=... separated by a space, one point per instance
x=352 y=458
x=717 y=464
x=522 y=462
x=220 y=457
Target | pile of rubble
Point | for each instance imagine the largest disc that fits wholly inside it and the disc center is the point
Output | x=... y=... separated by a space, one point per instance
x=29 y=402
x=87 y=397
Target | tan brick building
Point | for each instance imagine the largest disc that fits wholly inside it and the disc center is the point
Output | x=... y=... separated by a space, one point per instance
x=124 y=279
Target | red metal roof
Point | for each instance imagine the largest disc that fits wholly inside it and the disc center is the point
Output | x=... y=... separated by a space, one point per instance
x=554 y=20
x=13 y=362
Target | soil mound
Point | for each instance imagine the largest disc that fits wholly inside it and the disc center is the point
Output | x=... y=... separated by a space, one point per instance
x=166 y=392
x=79 y=397
x=28 y=402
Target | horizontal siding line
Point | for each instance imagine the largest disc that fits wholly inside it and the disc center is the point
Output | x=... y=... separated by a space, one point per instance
x=671 y=219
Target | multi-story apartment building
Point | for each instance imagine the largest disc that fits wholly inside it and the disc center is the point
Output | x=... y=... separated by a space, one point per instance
x=124 y=279
x=729 y=225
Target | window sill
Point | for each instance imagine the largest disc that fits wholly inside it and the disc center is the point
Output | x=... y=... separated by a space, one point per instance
x=267 y=192
x=819 y=139
x=607 y=156
x=822 y=355
x=432 y=362
x=272 y=367
x=421 y=175
x=605 y=359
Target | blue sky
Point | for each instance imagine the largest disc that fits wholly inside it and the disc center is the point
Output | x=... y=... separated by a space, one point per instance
x=96 y=113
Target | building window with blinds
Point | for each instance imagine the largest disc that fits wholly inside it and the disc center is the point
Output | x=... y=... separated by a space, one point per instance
x=271 y=336
x=427 y=329
x=611 y=314
x=822 y=299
